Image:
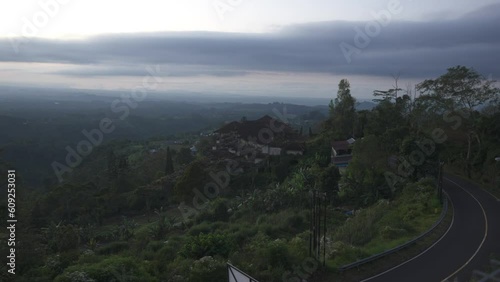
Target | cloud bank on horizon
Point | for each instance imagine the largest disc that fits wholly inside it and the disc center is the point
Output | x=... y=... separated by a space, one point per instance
x=292 y=59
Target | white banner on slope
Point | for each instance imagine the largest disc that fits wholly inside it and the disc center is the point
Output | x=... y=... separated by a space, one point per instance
x=236 y=275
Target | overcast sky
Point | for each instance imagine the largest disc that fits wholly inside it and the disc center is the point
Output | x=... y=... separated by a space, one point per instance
x=253 y=47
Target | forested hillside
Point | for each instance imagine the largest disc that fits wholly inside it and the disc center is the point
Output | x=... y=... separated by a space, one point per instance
x=155 y=203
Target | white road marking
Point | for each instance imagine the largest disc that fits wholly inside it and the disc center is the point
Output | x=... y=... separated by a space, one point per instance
x=491 y=194
x=485 y=231
x=425 y=251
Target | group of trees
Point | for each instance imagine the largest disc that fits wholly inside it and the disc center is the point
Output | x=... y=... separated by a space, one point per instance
x=342 y=112
x=462 y=91
x=458 y=108
x=265 y=213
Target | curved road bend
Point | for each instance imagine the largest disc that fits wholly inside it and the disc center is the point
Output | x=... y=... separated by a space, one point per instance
x=473 y=235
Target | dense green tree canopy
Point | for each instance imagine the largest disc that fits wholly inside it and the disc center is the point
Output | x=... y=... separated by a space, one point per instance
x=342 y=112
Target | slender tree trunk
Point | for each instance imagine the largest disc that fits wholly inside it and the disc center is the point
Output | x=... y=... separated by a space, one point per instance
x=468 y=158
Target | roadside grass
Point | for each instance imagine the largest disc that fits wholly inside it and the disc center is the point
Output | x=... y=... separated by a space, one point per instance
x=384 y=235
x=378 y=245
x=331 y=272
x=380 y=227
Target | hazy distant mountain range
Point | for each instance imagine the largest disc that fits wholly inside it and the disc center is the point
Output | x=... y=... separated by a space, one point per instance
x=178 y=96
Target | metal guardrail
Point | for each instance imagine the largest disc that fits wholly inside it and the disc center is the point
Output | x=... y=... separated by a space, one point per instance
x=400 y=247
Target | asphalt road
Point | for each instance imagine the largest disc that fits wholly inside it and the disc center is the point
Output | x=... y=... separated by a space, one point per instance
x=473 y=236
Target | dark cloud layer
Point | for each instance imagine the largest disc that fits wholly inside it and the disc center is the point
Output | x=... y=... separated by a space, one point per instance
x=416 y=49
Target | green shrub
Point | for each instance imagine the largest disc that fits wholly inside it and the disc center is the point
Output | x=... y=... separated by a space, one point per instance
x=390 y=233
x=167 y=253
x=165 y=256
x=203 y=215
x=277 y=254
x=178 y=270
x=220 y=210
x=207 y=245
x=151 y=249
x=207 y=269
x=105 y=234
x=206 y=227
x=110 y=269
x=344 y=253
x=158 y=230
x=298 y=246
x=271 y=230
x=394 y=218
x=113 y=248
x=295 y=222
x=62 y=238
x=77 y=276
x=361 y=228
x=411 y=211
x=242 y=234
x=155 y=246
x=125 y=230
x=89 y=257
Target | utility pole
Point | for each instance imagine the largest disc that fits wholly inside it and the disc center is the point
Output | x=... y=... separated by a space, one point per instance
x=440 y=182
x=324 y=235
x=318 y=215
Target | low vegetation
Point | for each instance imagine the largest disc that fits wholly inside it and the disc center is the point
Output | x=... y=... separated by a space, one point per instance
x=117 y=216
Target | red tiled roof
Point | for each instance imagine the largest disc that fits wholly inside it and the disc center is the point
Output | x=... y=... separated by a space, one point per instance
x=228 y=128
x=253 y=128
x=340 y=145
